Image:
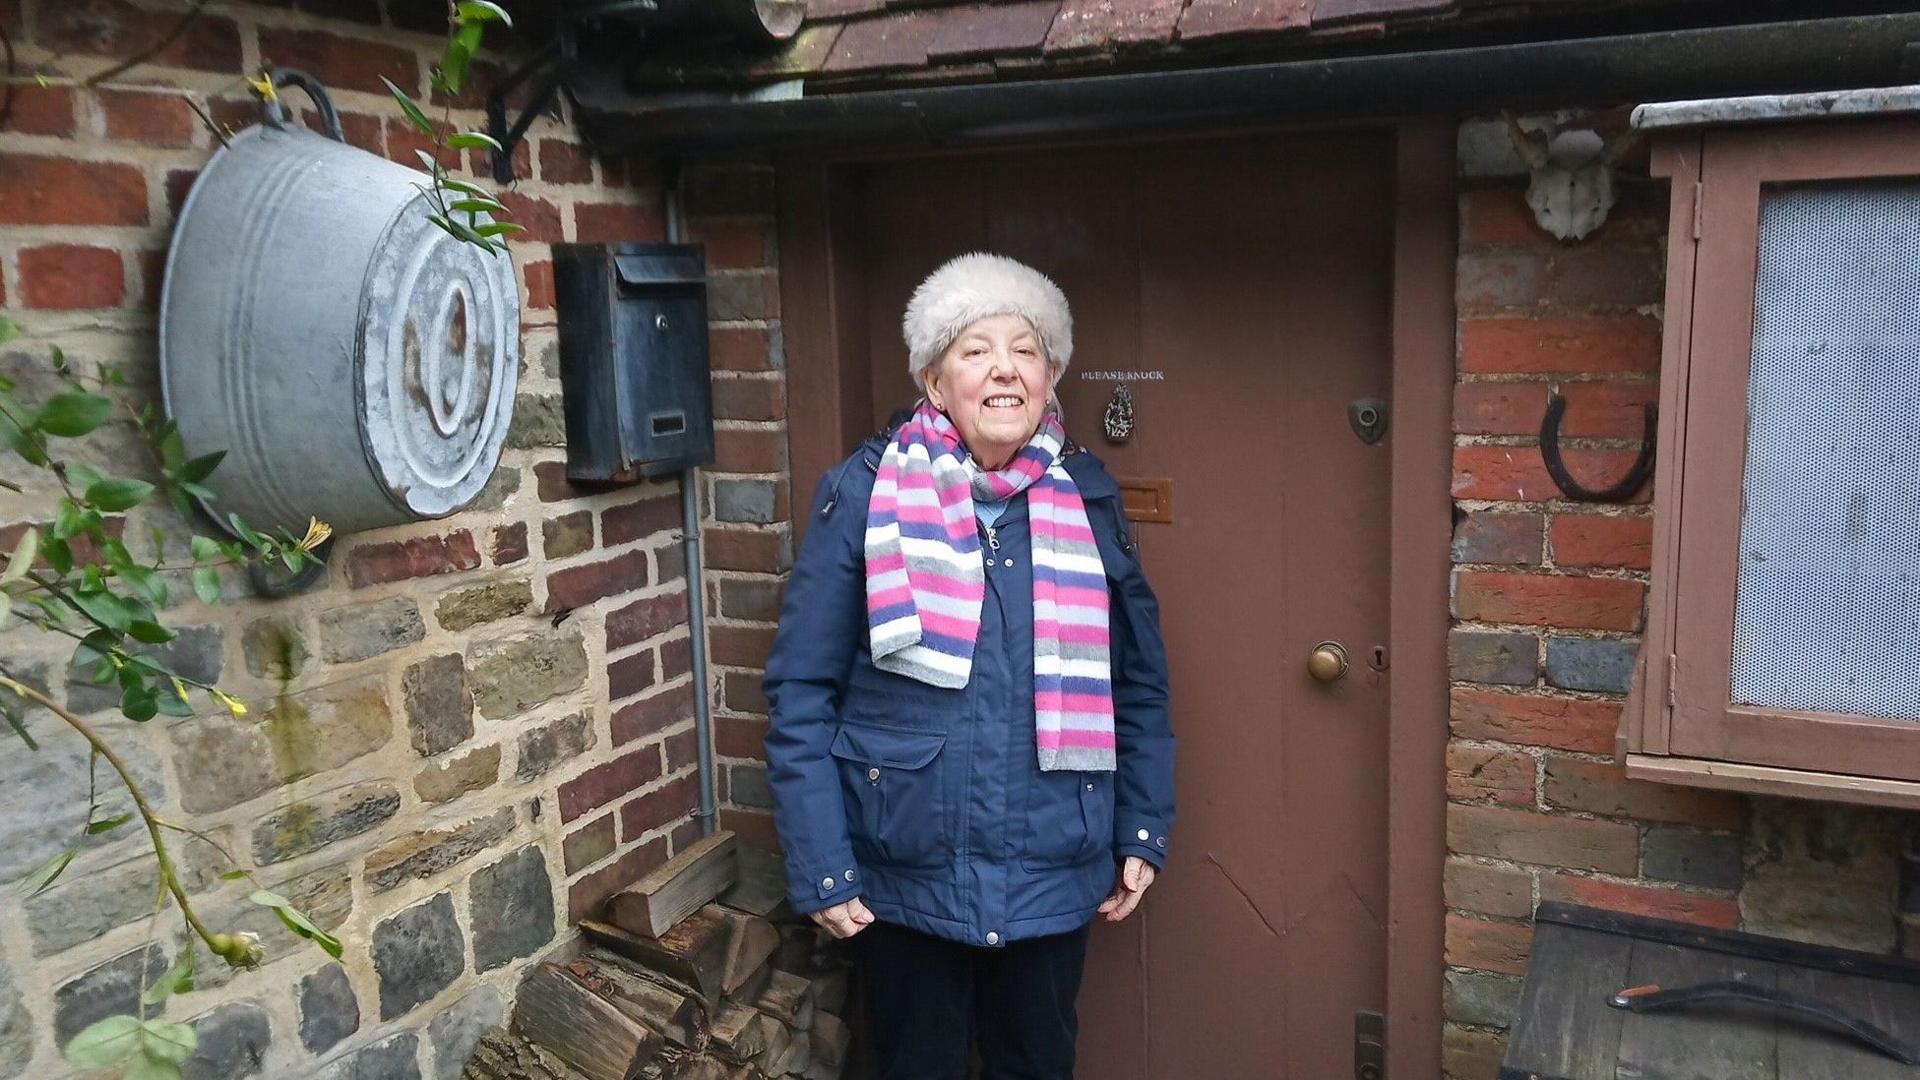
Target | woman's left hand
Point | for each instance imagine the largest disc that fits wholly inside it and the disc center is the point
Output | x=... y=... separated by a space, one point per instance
x=1136 y=874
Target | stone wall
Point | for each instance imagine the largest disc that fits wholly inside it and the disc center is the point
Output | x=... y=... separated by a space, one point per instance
x=1548 y=604
x=436 y=765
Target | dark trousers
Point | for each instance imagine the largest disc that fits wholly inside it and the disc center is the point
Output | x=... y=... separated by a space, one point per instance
x=928 y=999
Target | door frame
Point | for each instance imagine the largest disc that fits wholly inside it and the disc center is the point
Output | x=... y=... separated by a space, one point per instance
x=829 y=382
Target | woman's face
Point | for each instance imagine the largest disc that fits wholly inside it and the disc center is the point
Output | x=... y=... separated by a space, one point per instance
x=993 y=382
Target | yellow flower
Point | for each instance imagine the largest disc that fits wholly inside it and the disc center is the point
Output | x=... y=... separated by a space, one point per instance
x=264 y=87
x=317 y=533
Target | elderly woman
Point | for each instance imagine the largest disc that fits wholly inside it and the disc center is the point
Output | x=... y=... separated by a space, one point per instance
x=970 y=751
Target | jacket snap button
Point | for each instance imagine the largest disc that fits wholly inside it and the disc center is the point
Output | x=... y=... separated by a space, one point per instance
x=1142 y=834
x=850 y=873
x=993 y=937
x=826 y=883
x=1089 y=787
x=873 y=776
x=1160 y=842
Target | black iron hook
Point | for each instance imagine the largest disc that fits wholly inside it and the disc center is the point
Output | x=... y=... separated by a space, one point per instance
x=1574 y=489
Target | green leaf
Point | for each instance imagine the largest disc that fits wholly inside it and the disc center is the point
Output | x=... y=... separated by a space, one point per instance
x=74 y=414
x=66 y=521
x=23 y=441
x=452 y=70
x=473 y=140
x=431 y=163
x=482 y=11
x=150 y=632
x=177 y=980
x=168 y=702
x=81 y=475
x=206 y=584
x=245 y=532
x=59 y=555
x=120 y=494
x=148 y=582
x=24 y=554
x=233 y=875
x=454 y=183
x=199 y=468
x=478 y=206
x=138 y=704
x=411 y=108
x=205 y=549
x=13 y=721
x=268 y=899
x=164 y=1040
x=105 y=608
x=148 y=1068
x=199 y=492
x=105 y=1044
x=47 y=872
x=498 y=228
x=107 y=825
x=8 y=329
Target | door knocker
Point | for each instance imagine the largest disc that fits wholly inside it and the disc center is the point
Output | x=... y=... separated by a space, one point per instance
x=1118 y=419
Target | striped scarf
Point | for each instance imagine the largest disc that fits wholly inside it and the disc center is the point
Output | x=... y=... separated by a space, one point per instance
x=925 y=584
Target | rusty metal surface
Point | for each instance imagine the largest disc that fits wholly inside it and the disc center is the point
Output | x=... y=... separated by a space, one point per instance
x=356 y=363
x=1246 y=289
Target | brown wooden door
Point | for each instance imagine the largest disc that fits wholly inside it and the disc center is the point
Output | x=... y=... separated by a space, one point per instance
x=1251 y=282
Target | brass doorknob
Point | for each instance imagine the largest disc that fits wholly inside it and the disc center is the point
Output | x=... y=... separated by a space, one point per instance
x=1328 y=661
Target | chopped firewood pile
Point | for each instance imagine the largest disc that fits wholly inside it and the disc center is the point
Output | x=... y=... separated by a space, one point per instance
x=698 y=971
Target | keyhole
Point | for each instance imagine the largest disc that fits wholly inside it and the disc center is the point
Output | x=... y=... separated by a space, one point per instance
x=1379 y=659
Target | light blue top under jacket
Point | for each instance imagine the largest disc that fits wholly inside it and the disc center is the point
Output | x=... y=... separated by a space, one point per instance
x=930 y=803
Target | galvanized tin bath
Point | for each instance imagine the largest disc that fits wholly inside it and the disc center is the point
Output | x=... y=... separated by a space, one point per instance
x=356 y=363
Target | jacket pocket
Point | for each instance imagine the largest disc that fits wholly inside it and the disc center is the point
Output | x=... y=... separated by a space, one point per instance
x=891 y=779
x=1069 y=817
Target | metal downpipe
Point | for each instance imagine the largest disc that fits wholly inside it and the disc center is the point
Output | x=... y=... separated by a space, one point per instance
x=709 y=812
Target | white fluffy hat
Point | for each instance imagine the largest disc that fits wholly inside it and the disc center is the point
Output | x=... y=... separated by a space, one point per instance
x=973 y=286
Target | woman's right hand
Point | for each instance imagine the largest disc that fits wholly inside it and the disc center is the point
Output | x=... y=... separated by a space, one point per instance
x=844 y=920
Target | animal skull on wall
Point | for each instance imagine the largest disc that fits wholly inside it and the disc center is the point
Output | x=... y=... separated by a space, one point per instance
x=1571 y=188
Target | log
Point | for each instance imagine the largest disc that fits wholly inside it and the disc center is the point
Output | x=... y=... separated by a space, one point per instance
x=739 y=1033
x=676 y=888
x=673 y=1013
x=507 y=1055
x=777 y=1039
x=749 y=991
x=694 y=951
x=762 y=886
x=829 y=1038
x=788 y=999
x=797 y=1059
x=830 y=991
x=560 y=1013
x=796 y=949
x=754 y=939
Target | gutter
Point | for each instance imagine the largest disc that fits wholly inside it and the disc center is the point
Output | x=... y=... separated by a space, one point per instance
x=1775 y=57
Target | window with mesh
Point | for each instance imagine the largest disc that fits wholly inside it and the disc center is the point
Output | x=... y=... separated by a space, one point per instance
x=1828 y=611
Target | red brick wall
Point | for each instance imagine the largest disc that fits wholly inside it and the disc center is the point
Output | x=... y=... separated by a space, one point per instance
x=90 y=181
x=1548 y=605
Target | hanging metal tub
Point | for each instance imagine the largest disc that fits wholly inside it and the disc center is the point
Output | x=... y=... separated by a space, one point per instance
x=356 y=363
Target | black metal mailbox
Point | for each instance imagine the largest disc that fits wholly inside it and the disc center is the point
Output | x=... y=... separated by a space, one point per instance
x=1613 y=996
x=633 y=359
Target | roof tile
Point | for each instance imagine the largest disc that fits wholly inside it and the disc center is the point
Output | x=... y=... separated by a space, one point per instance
x=1089 y=25
x=1221 y=18
x=898 y=40
x=987 y=30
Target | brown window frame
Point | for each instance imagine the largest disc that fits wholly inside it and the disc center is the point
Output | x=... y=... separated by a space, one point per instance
x=1681 y=725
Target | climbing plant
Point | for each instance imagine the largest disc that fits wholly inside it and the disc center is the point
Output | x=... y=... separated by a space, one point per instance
x=74 y=575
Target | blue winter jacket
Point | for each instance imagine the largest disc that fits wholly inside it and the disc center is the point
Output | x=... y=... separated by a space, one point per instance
x=929 y=803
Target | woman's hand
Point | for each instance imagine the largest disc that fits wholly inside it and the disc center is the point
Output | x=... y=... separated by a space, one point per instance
x=1136 y=874
x=844 y=920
